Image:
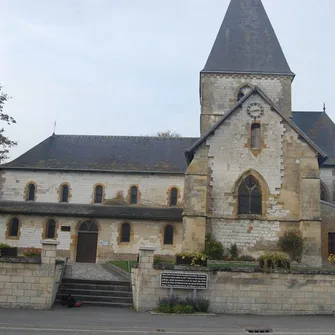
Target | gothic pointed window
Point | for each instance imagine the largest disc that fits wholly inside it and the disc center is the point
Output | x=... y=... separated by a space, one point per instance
x=168 y=234
x=31 y=192
x=249 y=196
x=125 y=232
x=98 y=194
x=51 y=229
x=323 y=193
x=173 y=196
x=133 y=194
x=255 y=136
x=65 y=193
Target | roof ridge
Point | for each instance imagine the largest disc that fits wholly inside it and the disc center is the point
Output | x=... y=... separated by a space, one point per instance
x=125 y=136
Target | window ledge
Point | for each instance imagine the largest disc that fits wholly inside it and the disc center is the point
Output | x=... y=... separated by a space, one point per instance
x=251 y=216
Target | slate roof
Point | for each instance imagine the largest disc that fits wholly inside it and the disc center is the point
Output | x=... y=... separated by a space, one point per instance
x=320 y=128
x=247 y=43
x=190 y=151
x=106 y=153
x=91 y=211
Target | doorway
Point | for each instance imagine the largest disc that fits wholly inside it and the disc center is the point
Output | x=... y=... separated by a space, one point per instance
x=87 y=242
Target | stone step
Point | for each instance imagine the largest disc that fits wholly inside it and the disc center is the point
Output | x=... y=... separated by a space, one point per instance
x=93 y=286
x=76 y=291
x=95 y=282
x=96 y=298
x=102 y=304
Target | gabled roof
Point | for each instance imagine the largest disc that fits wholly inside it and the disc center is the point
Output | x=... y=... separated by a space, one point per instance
x=320 y=128
x=190 y=151
x=247 y=43
x=106 y=153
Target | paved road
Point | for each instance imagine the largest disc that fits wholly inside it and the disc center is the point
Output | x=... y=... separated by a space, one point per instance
x=103 y=320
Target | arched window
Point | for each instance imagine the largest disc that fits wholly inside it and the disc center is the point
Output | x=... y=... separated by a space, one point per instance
x=31 y=192
x=133 y=194
x=242 y=92
x=323 y=193
x=173 y=196
x=249 y=197
x=125 y=232
x=98 y=194
x=50 y=229
x=255 y=136
x=88 y=226
x=168 y=234
x=64 y=193
x=13 y=228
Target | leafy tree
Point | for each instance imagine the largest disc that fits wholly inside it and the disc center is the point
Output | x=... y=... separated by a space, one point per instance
x=168 y=133
x=5 y=142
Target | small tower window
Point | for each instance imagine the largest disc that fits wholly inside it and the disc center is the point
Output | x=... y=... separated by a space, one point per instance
x=249 y=197
x=242 y=92
x=13 y=230
x=168 y=234
x=133 y=195
x=65 y=193
x=98 y=194
x=255 y=136
x=173 y=196
x=125 y=232
x=51 y=229
x=31 y=192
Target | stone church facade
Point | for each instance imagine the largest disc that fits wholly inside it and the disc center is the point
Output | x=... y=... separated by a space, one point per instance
x=253 y=173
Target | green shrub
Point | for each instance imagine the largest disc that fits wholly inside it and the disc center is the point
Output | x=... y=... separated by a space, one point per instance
x=201 y=304
x=183 y=309
x=174 y=304
x=31 y=252
x=273 y=260
x=213 y=248
x=191 y=258
x=292 y=243
x=246 y=258
x=233 y=251
x=4 y=245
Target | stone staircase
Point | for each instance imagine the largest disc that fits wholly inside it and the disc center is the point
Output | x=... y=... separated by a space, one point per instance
x=97 y=292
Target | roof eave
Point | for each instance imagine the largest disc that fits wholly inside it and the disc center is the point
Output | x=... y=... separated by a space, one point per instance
x=2 y=168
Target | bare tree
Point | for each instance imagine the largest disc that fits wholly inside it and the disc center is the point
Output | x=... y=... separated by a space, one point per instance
x=168 y=133
x=5 y=142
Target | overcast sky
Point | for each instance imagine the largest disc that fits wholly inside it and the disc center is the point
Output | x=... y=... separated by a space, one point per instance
x=131 y=67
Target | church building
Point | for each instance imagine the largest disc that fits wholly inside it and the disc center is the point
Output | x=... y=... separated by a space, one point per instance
x=257 y=169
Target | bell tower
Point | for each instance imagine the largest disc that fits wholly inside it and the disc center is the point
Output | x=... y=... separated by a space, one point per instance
x=246 y=52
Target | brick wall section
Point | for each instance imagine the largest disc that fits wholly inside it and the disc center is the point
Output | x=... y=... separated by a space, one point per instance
x=142 y=233
x=153 y=188
x=243 y=293
x=25 y=284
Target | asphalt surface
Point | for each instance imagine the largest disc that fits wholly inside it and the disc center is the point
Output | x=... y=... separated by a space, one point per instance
x=104 y=320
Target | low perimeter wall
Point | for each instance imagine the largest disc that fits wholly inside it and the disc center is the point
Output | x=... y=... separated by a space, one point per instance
x=241 y=292
x=30 y=283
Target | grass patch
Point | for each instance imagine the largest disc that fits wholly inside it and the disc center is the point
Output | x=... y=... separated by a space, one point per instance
x=124 y=265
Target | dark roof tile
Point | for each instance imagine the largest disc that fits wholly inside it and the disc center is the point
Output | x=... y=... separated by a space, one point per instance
x=247 y=43
x=106 y=153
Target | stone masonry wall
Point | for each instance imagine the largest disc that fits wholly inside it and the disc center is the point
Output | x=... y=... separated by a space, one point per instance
x=28 y=283
x=153 y=189
x=219 y=94
x=109 y=245
x=327 y=226
x=327 y=176
x=242 y=293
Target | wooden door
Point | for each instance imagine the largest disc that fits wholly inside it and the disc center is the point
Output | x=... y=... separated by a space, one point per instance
x=87 y=242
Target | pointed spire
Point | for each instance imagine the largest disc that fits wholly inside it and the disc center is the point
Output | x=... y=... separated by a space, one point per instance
x=247 y=43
